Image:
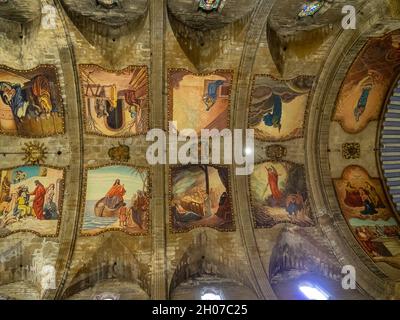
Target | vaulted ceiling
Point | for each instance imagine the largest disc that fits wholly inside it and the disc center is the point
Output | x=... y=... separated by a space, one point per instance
x=331 y=140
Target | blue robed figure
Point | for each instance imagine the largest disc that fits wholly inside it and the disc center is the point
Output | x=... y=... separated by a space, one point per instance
x=274 y=119
x=362 y=103
x=212 y=93
x=13 y=96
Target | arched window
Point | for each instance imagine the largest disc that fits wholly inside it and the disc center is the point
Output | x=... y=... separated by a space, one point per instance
x=313 y=292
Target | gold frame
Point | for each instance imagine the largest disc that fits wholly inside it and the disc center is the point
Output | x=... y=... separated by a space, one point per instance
x=217 y=72
x=60 y=98
x=311 y=216
x=306 y=110
x=117 y=72
x=83 y=206
x=357 y=59
x=60 y=213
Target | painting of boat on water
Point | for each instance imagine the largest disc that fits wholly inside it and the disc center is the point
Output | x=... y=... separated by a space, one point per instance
x=117 y=199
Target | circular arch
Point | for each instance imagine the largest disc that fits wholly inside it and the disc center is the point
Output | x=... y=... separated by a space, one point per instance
x=324 y=203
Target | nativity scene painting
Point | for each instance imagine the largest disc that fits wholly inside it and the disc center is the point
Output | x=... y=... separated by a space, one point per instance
x=200 y=198
x=30 y=102
x=31 y=200
x=368 y=82
x=279 y=195
x=367 y=212
x=199 y=101
x=116 y=102
x=277 y=107
x=117 y=199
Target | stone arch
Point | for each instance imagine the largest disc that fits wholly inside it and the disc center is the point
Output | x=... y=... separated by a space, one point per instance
x=296 y=249
x=32 y=265
x=102 y=22
x=111 y=261
x=204 y=258
x=325 y=204
x=20 y=19
x=301 y=257
x=203 y=36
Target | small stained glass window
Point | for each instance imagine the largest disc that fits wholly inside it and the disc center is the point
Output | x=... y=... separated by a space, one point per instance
x=310 y=8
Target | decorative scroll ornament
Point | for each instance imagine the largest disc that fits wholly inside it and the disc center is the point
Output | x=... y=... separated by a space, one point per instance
x=310 y=8
x=351 y=150
x=35 y=153
x=276 y=152
x=120 y=153
x=211 y=5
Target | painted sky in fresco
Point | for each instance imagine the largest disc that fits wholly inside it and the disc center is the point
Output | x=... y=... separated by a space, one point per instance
x=101 y=180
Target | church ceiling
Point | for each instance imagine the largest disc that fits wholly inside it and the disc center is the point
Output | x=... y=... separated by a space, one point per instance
x=84 y=212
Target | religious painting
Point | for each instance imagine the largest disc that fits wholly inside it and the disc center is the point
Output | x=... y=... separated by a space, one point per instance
x=277 y=107
x=31 y=200
x=368 y=213
x=30 y=102
x=200 y=198
x=117 y=199
x=115 y=102
x=368 y=83
x=279 y=195
x=199 y=101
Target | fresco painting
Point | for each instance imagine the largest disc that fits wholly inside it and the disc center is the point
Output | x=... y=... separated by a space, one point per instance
x=368 y=82
x=277 y=108
x=31 y=200
x=368 y=213
x=200 y=198
x=199 y=101
x=30 y=102
x=116 y=102
x=279 y=195
x=117 y=199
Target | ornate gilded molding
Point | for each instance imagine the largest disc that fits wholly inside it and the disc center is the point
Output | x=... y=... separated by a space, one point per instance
x=351 y=150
